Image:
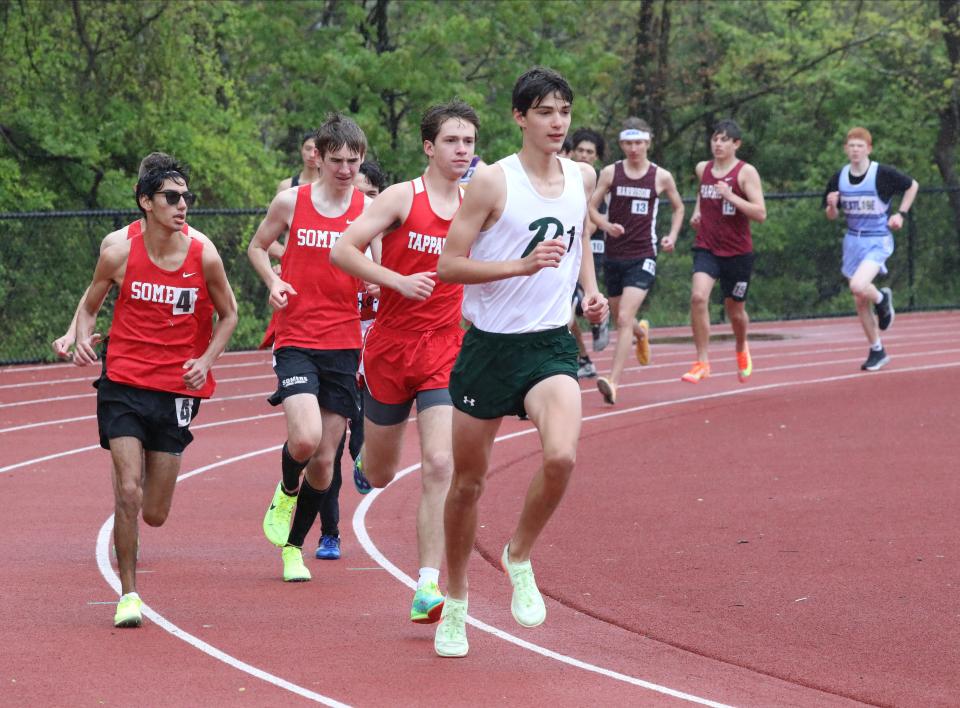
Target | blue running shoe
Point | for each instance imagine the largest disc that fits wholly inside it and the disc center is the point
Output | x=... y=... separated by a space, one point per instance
x=329 y=548
x=359 y=481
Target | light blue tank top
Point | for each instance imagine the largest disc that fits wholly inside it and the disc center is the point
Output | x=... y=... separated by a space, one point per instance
x=866 y=214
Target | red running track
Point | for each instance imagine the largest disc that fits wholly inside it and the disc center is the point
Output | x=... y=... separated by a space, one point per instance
x=789 y=541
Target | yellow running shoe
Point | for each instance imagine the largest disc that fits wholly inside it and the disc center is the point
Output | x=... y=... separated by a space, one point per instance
x=527 y=604
x=643 y=344
x=699 y=371
x=276 y=522
x=451 y=637
x=128 y=611
x=294 y=571
x=744 y=365
x=427 y=604
x=607 y=389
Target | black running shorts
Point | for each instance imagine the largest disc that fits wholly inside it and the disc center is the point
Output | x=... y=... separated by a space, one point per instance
x=158 y=419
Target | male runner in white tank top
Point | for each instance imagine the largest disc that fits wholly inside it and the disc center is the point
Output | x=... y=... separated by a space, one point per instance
x=517 y=244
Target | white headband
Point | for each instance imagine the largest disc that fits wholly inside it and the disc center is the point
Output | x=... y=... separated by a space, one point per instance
x=634 y=134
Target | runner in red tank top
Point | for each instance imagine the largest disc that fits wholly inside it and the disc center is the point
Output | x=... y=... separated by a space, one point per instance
x=164 y=343
x=317 y=332
x=729 y=198
x=412 y=346
x=633 y=187
x=61 y=345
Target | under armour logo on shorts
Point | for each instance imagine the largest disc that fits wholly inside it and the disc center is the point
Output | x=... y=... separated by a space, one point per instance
x=469 y=401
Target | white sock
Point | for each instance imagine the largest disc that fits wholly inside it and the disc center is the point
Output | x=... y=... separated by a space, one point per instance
x=876 y=346
x=879 y=297
x=428 y=575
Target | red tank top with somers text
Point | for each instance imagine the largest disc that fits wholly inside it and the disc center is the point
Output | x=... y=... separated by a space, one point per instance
x=414 y=247
x=633 y=205
x=162 y=318
x=724 y=230
x=323 y=314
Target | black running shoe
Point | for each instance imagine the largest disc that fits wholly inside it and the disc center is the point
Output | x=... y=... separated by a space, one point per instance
x=884 y=309
x=875 y=361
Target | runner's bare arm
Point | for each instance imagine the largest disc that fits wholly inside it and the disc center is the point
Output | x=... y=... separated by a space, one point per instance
x=668 y=242
x=390 y=208
x=274 y=224
x=224 y=302
x=596 y=198
x=594 y=303
x=108 y=272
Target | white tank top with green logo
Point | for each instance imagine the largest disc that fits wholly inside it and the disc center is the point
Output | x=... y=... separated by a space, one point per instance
x=529 y=303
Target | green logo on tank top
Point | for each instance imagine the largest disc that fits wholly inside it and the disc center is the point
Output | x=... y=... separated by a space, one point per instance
x=542 y=227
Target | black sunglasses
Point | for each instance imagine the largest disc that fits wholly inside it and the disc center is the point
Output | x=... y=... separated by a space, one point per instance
x=173 y=197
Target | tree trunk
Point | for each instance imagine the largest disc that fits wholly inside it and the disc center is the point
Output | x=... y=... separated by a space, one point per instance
x=944 y=151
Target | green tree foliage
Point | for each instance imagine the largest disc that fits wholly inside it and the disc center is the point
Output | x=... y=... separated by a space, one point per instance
x=88 y=87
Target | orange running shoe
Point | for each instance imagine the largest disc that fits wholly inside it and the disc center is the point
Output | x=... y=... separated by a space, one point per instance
x=744 y=365
x=643 y=344
x=699 y=371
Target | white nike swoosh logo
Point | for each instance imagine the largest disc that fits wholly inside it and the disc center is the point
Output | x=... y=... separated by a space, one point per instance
x=188 y=275
x=349 y=221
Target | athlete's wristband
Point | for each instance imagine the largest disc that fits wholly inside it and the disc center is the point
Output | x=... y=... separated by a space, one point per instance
x=902 y=213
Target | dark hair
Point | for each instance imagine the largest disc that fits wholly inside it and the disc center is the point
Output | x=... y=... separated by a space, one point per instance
x=591 y=136
x=156 y=161
x=634 y=123
x=535 y=85
x=727 y=127
x=152 y=180
x=309 y=135
x=338 y=130
x=567 y=145
x=371 y=170
x=435 y=117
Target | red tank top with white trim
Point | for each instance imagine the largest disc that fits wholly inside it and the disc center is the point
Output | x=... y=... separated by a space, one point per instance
x=323 y=314
x=414 y=247
x=724 y=230
x=162 y=318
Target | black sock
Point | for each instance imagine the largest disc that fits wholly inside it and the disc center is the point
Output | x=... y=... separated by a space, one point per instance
x=291 y=471
x=308 y=503
x=330 y=504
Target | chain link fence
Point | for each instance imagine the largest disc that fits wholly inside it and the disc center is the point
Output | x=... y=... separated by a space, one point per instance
x=47 y=260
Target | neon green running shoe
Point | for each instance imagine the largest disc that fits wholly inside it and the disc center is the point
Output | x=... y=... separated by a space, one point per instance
x=276 y=522
x=451 y=637
x=128 y=611
x=427 y=604
x=294 y=571
x=527 y=605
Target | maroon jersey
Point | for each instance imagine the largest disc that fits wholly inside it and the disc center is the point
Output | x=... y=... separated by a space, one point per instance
x=414 y=247
x=323 y=314
x=723 y=230
x=162 y=318
x=633 y=205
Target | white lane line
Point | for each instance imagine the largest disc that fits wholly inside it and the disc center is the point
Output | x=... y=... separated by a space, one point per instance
x=81 y=379
x=360 y=529
x=789 y=367
x=106 y=570
x=87 y=448
x=53 y=366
